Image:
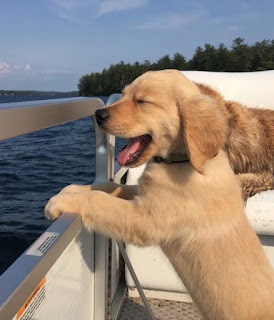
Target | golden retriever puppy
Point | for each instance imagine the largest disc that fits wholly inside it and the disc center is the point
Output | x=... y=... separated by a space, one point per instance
x=249 y=143
x=193 y=210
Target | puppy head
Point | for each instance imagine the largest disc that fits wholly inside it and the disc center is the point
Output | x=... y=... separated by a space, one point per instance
x=162 y=112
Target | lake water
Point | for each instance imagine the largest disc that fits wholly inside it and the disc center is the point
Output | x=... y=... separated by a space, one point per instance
x=33 y=168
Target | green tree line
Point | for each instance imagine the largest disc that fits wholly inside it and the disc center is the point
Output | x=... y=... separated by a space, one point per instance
x=240 y=57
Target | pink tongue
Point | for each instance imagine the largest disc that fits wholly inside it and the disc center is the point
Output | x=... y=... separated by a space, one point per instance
x=131 y=148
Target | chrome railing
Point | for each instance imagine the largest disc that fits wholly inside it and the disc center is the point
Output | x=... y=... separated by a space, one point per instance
x=22 y=277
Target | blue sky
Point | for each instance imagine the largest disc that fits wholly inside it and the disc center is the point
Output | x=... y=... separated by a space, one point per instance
x=50 y=44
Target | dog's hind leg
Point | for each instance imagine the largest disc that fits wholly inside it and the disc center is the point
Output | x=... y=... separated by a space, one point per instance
x=253 y=183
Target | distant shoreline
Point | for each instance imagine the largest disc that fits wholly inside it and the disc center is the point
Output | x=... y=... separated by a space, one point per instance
x=34 y=93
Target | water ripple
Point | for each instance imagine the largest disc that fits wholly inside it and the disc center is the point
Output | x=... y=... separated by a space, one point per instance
x=33 y=168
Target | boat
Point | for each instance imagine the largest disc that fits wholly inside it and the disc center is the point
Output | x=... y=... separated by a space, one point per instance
x=70 y=273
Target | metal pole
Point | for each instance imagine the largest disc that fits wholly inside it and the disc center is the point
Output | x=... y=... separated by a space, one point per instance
x=135 y=279
x=101 y=243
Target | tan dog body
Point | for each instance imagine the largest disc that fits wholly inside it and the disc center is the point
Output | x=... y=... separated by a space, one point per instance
x=194 y=211
x=200 y=225
x=249 y=143
x=250 y=136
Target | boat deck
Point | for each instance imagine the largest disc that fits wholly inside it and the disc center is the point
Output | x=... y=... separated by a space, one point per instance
x=133 y=309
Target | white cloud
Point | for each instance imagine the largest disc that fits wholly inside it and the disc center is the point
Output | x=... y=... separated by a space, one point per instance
x=70 y=4
x=108 y=6
x=67 y=16
x=22 y=67
x=53 y=71
x=71 y=10
x=4 y=68
x=67 y=9
x=171 y=21
x=25 y=71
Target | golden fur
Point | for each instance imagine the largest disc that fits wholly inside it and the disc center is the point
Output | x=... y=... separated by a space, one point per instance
x=194 y=211
x=249 y=143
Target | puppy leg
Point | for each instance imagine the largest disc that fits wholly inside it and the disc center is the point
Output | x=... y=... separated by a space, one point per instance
x=253 y=183
x=117 y=190
x=117 y=218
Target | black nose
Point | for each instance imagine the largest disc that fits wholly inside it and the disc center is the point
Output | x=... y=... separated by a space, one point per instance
x=102 y=116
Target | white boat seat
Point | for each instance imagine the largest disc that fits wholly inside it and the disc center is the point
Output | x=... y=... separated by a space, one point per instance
x=254 y=89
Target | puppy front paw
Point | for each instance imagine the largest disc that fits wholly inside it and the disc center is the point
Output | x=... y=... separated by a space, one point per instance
x=65 y=202
x=54 y=208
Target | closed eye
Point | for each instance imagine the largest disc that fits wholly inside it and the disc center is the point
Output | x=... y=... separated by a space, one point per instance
x=140 y=101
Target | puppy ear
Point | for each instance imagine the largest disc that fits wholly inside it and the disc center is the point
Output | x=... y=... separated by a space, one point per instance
x=204 y=128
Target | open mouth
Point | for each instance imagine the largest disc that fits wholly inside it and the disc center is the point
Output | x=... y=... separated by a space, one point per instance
x=131 y=153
